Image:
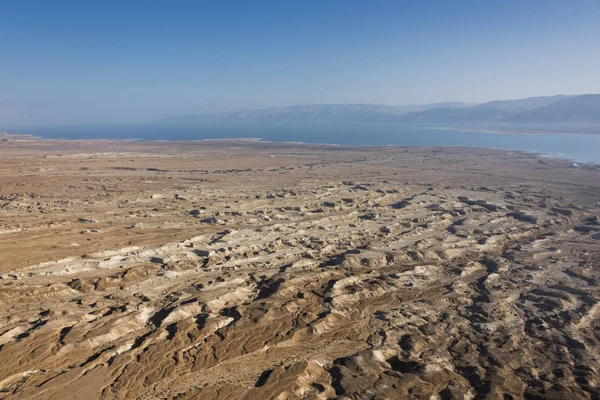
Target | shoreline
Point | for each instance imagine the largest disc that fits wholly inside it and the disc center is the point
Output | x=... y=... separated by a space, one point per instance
x=24 y=137
x=506 y=132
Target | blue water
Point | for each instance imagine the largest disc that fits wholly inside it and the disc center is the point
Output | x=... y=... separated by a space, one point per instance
x=577 y=147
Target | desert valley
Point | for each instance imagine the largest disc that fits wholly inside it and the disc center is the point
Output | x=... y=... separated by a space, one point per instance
x=250 y=270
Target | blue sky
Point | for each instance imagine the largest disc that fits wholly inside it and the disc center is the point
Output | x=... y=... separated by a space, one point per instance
x=135 y=61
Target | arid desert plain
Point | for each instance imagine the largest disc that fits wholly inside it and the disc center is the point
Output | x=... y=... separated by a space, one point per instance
x=250 y=270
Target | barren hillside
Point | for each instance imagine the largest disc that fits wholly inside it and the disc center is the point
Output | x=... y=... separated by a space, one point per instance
x=244 y=270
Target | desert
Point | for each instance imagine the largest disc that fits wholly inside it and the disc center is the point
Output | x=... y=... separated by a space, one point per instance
x=241 y=269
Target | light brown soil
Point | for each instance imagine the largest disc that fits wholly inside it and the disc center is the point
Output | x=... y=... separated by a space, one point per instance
x=257 y=271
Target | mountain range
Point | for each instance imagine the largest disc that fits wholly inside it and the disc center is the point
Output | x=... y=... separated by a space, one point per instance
x=531 y=110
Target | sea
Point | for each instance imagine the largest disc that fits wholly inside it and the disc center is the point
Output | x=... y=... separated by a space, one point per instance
x=578 y=145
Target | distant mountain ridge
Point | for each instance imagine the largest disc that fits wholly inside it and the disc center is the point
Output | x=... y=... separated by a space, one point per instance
x=581 y=109
x=311 y=113
x=535 y=110
x=493 y=111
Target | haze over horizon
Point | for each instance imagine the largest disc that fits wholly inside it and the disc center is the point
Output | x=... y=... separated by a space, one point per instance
x=68 y=62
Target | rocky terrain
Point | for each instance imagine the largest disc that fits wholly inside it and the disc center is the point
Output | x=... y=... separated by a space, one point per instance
x=246 y=270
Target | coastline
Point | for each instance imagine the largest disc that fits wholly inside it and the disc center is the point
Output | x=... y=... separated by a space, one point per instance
x=24 y=137
x=512 y=132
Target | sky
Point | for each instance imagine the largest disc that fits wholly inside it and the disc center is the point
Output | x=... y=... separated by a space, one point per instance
x=65 y=62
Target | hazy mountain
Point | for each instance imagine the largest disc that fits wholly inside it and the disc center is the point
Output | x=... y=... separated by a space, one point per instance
x=539 y=110
x=326 y=113
x=583 y=109
x=493 y=111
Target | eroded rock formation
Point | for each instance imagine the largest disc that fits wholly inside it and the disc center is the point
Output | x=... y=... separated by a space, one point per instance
x=336 y=273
